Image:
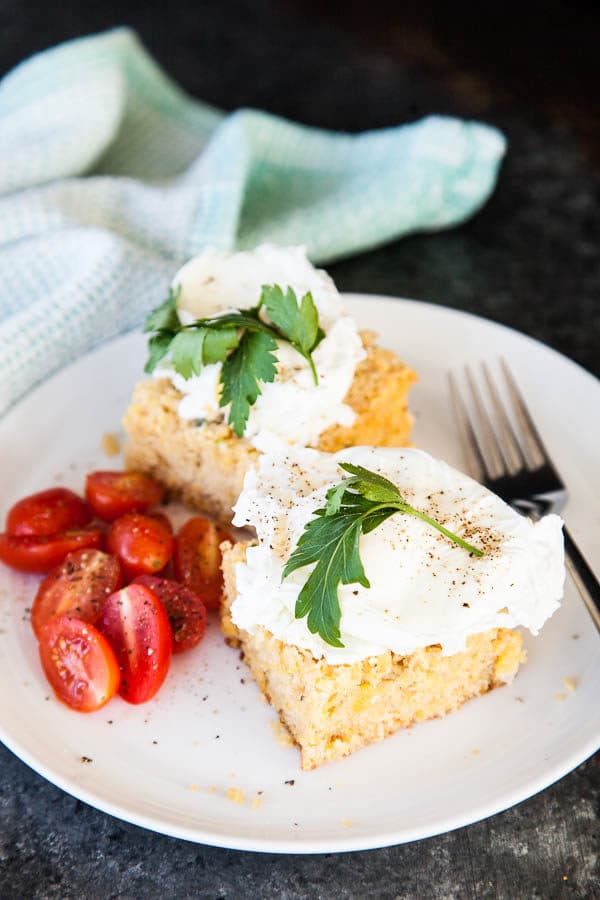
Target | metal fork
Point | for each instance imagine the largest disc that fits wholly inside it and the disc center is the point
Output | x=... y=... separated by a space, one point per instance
x=512 y=461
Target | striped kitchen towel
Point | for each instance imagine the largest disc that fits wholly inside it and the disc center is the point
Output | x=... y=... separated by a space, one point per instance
x=111 y=177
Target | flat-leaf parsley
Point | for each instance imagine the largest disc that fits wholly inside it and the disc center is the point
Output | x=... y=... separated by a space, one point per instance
x=356 y=506
x=243 y=342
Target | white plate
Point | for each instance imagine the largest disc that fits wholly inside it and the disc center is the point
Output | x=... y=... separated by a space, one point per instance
x=169 y=764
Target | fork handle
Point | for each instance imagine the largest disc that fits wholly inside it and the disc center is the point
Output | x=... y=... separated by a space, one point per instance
x=586 y=582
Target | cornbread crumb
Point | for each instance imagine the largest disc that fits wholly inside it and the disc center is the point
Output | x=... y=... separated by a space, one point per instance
x=570 y=683
x=346 y=823
x=281 y=734
x=205 y=463
x=560 y=697
x=235 y=795
x=193 y=787
x=346 y=707
x=212 y=789
x=257 y=803
x=476 y=751
x=111 y=444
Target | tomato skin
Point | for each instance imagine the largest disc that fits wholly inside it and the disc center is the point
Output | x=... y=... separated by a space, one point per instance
x=113 y=494
x=79 y=663
x=161 y=517
x=185 y=610
x=198 y=559
x=137 y=627
x=77 y=587
x=143 y=544
x=40 y=554
x=47 y=512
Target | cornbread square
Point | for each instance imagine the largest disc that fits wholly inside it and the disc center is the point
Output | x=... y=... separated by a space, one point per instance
x=333 y=710
x=205 y=464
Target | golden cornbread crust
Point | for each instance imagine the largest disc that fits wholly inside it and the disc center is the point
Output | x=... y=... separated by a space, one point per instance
x=331 y=711
x=379 y=397
x=205 y=464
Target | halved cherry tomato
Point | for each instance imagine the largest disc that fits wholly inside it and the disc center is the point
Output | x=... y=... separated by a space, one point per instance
x=77 y=587
x=198 y=559
x=143 y=544
x=186 y=611
x=79 y=663
x=136 y=625
x=32 y=553
x=47 y=512
x=113 y=494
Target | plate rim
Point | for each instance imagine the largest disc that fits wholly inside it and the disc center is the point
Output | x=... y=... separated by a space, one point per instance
x=300 y=845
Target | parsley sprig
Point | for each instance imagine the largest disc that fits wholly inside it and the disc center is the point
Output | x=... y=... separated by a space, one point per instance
x=243 y=342
x=356 y=506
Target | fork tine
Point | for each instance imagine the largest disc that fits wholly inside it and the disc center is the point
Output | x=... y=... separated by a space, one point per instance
x=476 y=466
x=535 y=451
x=474 y=456
x=513 y=454
x=487 y=440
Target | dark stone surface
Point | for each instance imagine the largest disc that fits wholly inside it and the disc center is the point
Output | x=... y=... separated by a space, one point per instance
x=54 y=847
x=530 y=259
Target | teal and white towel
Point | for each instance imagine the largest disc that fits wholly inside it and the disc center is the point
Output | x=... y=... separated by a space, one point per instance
x=111 y=177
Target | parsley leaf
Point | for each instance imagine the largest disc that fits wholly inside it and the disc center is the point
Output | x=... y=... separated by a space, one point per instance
x=356 y=506
x=334 y=498
x=158 y=347
x=298 y=322
x=186 y=352
x=242 y=341
x=331 y=542
x=253 y=361
x=371 y=485
x=338 y=562
x=164 y=317
x=218 y=343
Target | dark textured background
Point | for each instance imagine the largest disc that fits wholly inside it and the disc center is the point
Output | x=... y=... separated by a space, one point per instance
x=530 y=259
